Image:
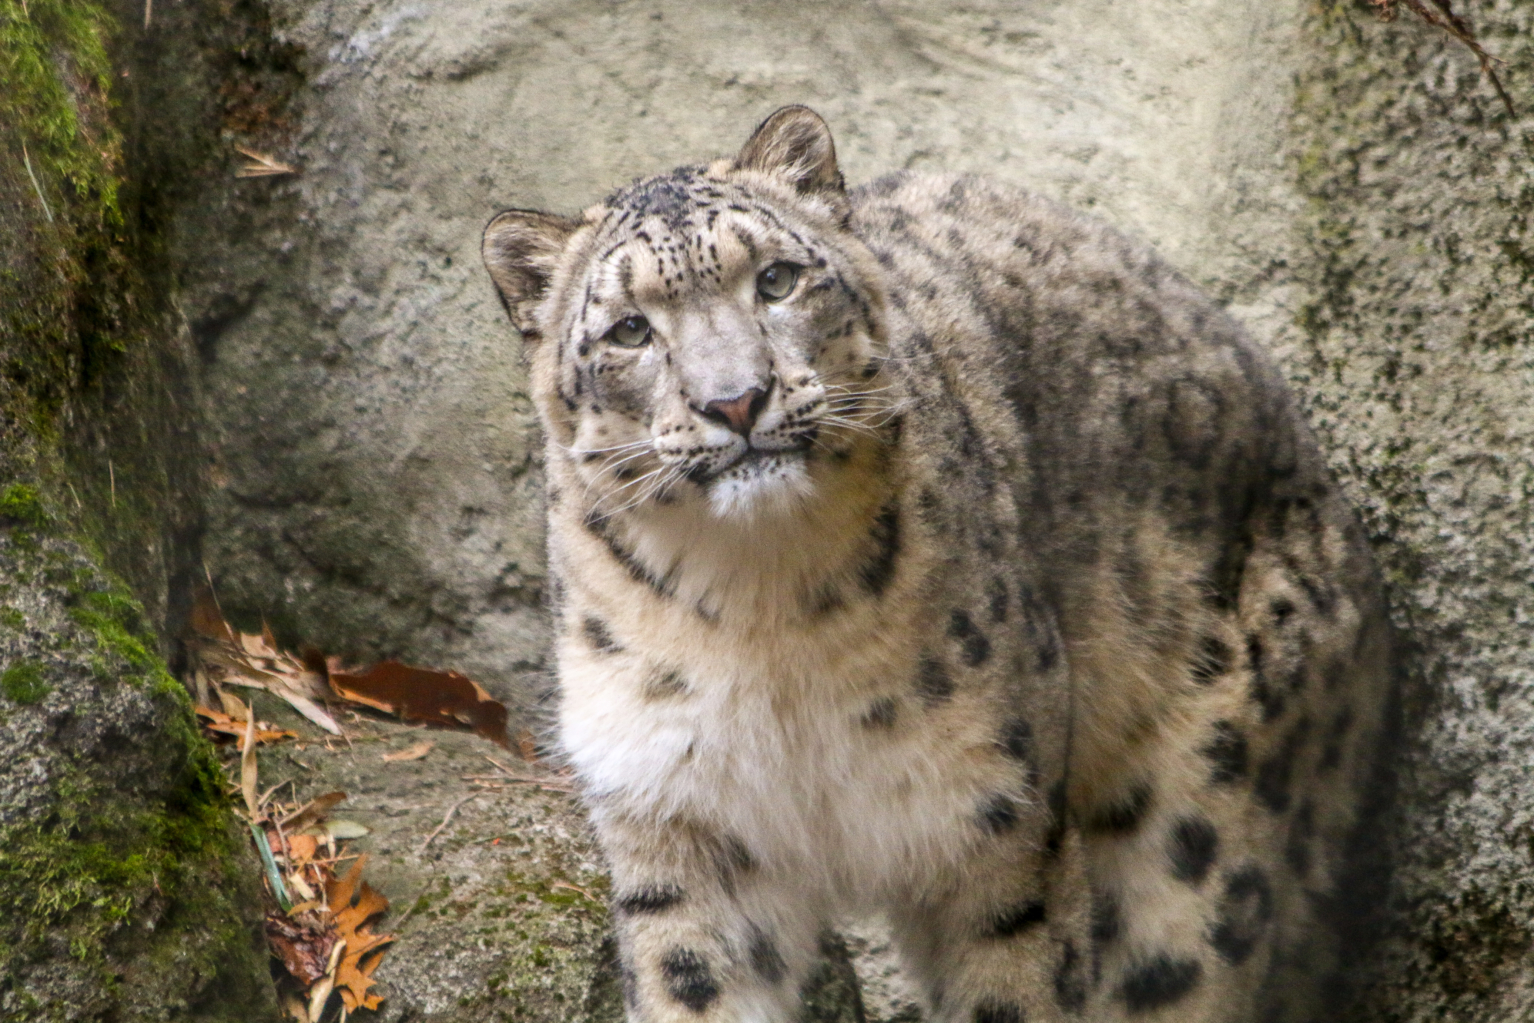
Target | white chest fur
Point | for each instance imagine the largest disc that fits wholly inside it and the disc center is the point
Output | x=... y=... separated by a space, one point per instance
x=830 y=771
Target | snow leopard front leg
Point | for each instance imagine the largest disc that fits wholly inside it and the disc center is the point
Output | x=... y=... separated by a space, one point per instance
x=1007 y=940
x=699 y=937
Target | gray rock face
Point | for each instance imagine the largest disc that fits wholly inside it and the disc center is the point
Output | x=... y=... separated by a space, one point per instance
x=1412 y=343
x=1351 y=189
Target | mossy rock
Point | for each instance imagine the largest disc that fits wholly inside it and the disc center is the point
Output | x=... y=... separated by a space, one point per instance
x=125 y=892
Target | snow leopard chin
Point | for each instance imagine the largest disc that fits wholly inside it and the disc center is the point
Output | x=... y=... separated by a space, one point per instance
x=761 y=485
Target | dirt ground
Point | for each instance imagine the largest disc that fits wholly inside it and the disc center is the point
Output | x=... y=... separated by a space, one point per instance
x=500 y=913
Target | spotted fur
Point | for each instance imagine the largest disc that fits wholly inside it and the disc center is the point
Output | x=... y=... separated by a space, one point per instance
x=930 y=551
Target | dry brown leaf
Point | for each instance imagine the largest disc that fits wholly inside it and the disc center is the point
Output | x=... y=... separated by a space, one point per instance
x=352 y=903
x=208 y=618
x=420 y=694
x=261 y=165
x=232 y=705
x=309 y=709
x=311 y=811
x=223 y=724
x=416 y=752
x=302 y=949
x=220 y=654
x=301 y=848
x=248 y=766
x=354 y=976
x=257 y=646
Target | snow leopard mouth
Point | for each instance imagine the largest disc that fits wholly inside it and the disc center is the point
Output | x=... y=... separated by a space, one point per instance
x=752 y=462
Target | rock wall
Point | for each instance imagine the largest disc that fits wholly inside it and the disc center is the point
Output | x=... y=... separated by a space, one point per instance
x=1352 y=189
x=126 y=891
x=1409 y=334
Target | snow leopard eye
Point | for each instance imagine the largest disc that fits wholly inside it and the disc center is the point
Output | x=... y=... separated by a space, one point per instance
x=630 y=332
x=777 y=281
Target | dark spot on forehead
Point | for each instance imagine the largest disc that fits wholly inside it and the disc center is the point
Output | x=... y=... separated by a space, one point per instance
x=673 y=198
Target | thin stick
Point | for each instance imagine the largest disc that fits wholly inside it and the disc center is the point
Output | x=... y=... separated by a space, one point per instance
x=148 y=10
x=38 y=188
x=575 y=888
x=441 y=827
x=112 y=475
x=1456 y=26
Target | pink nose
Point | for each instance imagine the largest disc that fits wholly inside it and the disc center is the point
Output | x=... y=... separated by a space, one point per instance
x=738 y=413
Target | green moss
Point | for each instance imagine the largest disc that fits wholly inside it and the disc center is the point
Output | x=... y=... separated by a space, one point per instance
x=68 y=289
x=23 y=683
x=101 y=872
x=64 y=147
x=115 y=620
x=12 y=618
x=21 y=503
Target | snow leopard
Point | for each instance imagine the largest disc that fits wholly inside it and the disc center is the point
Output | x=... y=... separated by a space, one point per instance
x=928 y=551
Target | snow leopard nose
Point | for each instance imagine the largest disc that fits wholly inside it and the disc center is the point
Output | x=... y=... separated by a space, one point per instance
x=738 y=413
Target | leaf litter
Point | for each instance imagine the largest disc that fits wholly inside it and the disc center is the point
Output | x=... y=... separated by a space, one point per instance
x=321 y=930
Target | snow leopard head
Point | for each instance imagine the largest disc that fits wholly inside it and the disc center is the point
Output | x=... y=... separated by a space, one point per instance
x=710 y=335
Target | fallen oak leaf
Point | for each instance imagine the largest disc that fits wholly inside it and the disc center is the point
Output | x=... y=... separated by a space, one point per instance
x=344 y=894
x=352 y=903
x=421 y=694
x=355 y=975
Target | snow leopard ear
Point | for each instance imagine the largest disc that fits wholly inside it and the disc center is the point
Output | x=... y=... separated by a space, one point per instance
x=794 y=143
x=521 y=249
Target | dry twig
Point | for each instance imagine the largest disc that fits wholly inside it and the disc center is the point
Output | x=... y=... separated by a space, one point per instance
x=1441 y=14
x=446 y=820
